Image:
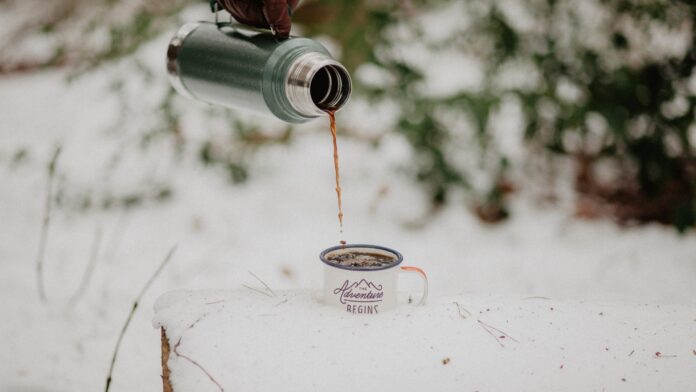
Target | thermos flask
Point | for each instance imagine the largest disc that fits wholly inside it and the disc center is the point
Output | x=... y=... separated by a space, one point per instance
x=295 y=79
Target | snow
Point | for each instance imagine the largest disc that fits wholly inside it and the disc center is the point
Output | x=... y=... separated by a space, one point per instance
x=247 y=341
x=276 y=224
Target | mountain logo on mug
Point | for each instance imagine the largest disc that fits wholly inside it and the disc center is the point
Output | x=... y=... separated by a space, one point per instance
x=361 y=291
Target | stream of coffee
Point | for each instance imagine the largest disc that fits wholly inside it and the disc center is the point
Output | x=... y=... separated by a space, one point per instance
x=332 y=119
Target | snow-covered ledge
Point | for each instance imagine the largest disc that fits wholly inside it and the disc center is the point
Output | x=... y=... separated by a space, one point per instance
x=286 y=341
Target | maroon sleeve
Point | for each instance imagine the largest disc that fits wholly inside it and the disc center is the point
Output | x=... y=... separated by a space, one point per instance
x=273 y=14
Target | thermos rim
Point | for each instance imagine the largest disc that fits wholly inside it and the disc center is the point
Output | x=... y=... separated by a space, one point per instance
x=300 y=76
x=173 y=51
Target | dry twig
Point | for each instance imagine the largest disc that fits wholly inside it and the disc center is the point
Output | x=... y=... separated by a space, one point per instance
x=489 y=328
x=281 y=302
x=257 y=290
x=46 y=222
x=263 y=283
x=460 y=309
x=497 y=330
x=196 y=364
x=132 y=312
x=492 y=334
x=191 y=360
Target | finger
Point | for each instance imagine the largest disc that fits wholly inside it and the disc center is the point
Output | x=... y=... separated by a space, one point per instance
x=248 y=12
x=277 y=16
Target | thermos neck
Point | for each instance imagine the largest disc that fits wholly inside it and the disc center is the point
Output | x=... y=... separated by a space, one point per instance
x=316 y=83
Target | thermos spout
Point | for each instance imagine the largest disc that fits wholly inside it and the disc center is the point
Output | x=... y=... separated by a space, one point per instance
x=317 y=83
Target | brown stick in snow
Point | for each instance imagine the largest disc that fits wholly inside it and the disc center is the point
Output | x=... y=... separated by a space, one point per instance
x=46 y=222
x=132 y=312
x=166 y=383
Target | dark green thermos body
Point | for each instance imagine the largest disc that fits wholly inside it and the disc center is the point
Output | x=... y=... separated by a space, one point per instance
x=295 y=79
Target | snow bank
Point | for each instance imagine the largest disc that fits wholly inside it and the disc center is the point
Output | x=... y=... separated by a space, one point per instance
x=249 y=341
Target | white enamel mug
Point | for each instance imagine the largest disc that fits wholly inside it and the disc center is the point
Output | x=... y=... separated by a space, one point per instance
x=362 y=290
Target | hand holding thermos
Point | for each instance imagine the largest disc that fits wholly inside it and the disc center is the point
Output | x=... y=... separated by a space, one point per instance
x=266 y=14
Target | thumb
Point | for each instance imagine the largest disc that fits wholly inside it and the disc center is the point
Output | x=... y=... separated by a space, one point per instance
x=278 y=16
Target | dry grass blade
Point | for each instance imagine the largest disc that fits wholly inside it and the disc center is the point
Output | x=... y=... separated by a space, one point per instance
x=485 y=328
x=499 y=331
x=132 y=312
x=489 y=329
x=46 y=223
x=263 y=283
x=462 y=310
x=257 y=290
x=191 y=360
x=196 y=364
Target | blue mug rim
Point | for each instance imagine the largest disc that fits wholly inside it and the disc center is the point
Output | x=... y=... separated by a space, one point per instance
x=322 y=257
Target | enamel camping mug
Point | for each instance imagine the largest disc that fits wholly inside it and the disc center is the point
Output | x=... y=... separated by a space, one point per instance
x=362 y=290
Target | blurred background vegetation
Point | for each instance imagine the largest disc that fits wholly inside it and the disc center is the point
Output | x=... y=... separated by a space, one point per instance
x=609 y=86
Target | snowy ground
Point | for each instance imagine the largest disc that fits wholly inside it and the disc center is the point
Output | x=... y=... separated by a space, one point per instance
x=274 y=225
x=457 y=343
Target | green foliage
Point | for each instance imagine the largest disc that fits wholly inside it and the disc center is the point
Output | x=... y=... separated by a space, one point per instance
x=609 y=82
x=641 y=101
x=602 y=82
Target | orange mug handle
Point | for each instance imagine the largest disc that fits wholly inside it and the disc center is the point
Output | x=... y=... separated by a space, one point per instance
x=423 y=276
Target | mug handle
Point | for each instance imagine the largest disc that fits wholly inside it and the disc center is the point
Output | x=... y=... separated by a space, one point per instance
x=424 y=277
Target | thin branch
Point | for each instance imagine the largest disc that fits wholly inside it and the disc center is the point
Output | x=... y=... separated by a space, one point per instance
x=196 y=364
x=489 y=328
x=258 y=291
x=460 y=309
x=281 y=302
x=497 y=330
x=87 y=277
x=491 y=333
x=132 y=312
x=263 y=283
x=46 y=222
